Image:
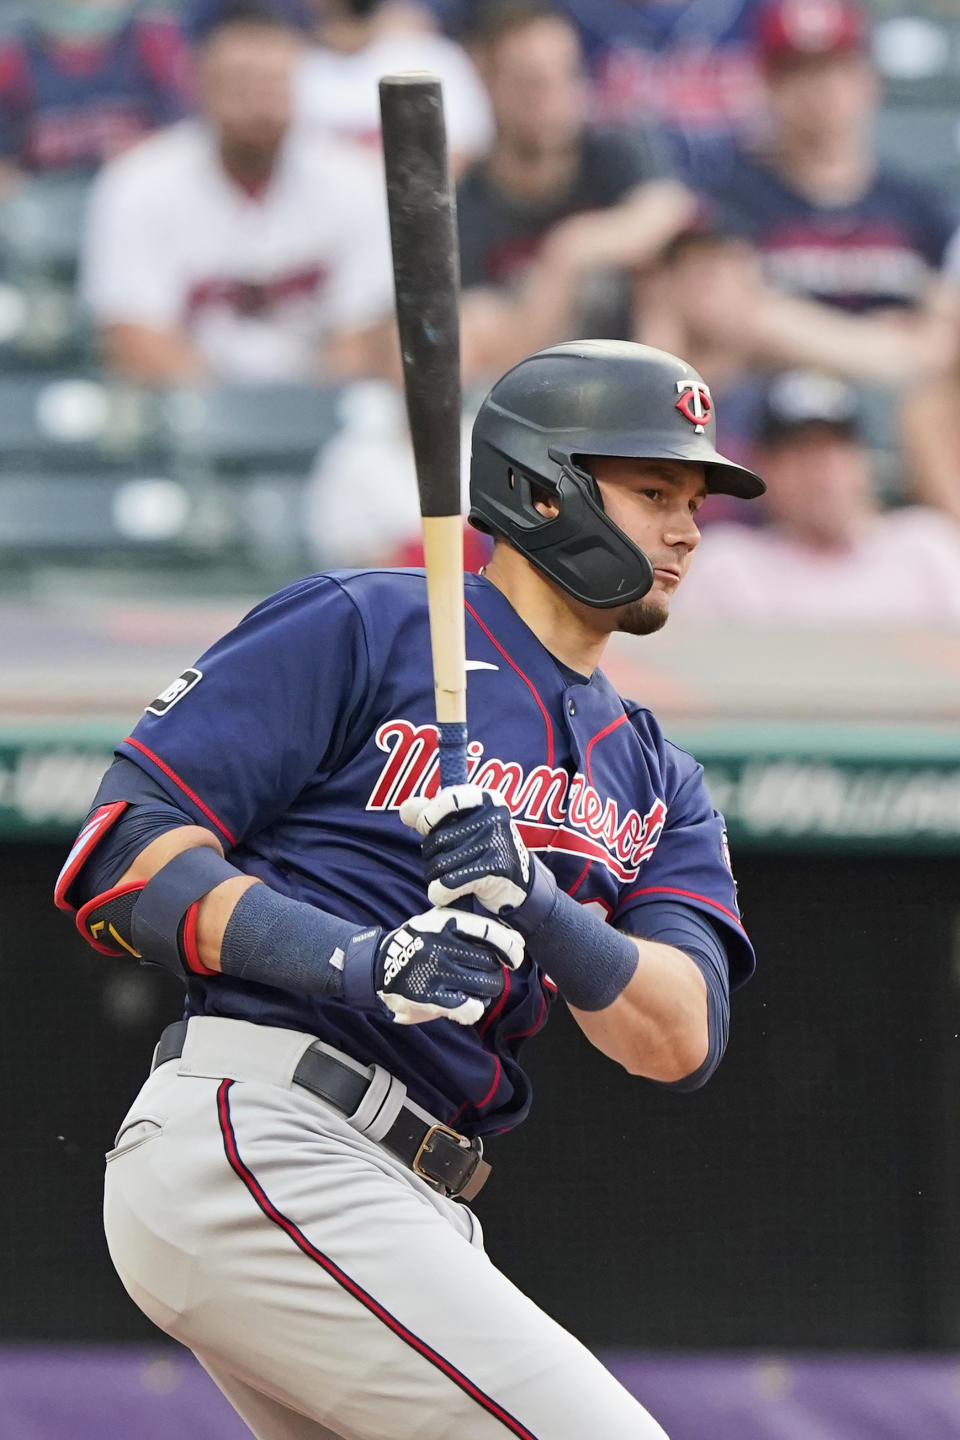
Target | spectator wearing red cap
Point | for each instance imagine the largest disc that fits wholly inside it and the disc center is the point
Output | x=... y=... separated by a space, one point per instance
x=792 y=30
x=830 y=222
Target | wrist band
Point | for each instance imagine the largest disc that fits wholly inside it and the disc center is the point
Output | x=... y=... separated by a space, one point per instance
x=589 y=961
x=288 y=943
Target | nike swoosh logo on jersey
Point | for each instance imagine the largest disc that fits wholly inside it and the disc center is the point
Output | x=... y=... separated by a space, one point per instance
x=481 y=665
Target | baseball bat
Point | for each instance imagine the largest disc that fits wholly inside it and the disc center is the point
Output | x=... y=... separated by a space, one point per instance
x=426 y=272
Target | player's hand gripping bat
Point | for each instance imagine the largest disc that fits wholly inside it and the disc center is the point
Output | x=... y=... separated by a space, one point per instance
x=426 y=271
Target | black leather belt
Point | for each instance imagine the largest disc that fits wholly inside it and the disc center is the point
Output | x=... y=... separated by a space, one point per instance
x=448 y=1162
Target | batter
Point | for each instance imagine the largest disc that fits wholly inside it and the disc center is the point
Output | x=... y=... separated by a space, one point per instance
x=364 y=953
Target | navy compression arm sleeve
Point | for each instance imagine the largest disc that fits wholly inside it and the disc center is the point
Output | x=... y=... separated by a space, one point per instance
x=689 y=930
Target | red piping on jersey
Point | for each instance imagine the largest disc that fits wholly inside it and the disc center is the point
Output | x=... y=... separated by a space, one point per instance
x=599 y=736
x=457 y=1113
x=494 y=1010
x=379 y=1311
x=493 y=1088
x=523 y=1034
x=689 y=895
x=526 y=680
x=581 y=877
x=204 y=809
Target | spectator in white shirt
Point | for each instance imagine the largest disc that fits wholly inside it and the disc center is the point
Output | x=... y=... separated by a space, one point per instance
x=357 y=41
x=230 y=246
x=830 y=554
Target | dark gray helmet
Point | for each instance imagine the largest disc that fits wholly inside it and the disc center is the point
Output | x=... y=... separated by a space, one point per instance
x=588 y=397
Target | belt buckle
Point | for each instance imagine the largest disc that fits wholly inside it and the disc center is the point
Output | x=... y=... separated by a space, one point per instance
x=426 y=1148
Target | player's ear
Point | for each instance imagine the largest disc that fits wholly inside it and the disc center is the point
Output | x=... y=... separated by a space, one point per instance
x=544 y=503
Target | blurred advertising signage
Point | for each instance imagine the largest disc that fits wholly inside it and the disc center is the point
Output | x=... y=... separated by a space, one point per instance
x=818 y=802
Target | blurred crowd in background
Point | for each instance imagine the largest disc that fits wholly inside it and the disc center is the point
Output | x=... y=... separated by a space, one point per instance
x=197 y=350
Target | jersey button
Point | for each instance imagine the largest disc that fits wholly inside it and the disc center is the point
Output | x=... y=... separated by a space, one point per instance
x=571 y=708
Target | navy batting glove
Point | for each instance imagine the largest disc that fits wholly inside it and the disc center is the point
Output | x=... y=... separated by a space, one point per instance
x=444 y=964
x=472 y=847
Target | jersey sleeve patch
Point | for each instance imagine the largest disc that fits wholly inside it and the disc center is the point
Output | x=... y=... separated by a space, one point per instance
x=174 y=692
x=86 y=842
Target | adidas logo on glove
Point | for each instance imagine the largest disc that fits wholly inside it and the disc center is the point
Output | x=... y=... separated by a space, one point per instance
x=400 y=952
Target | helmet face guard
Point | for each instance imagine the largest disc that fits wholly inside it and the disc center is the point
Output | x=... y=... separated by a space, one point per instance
x=580 y=548
x=591 y=397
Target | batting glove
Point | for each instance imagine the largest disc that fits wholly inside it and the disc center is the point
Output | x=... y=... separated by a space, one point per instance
x=473 y=847
x=444 y=964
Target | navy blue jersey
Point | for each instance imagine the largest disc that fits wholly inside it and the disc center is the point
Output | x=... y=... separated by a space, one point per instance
x=298 y=735
x=878 y=250
x=71 y=105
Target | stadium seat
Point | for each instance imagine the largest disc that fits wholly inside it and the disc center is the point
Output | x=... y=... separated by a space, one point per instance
x=41 y=223
x=65 y=512
x=924 y=141
x=246 y=428
x=41 y=325
x=73 y=419
x=917 y=51
x=13 y=13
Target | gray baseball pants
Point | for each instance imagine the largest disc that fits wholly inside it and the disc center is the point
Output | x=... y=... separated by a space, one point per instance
x=329 y=1292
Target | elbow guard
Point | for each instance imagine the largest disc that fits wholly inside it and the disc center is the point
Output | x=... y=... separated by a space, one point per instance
x=156 y=920
x=151 y=920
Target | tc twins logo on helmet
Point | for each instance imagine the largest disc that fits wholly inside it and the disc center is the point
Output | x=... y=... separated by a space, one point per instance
x=550 y=810
x=695 y=403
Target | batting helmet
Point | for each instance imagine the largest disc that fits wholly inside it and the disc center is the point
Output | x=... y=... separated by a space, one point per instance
x=588 y=397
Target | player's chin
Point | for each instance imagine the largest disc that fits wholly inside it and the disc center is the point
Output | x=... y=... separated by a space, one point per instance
x=645 y=616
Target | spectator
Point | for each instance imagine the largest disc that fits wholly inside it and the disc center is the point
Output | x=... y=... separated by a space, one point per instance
x=829 y=555
x=688 y=66
x=231 y=247
x=834 y=226
x=360 y=40
x=829 y=221
x=701 y=300
x=708 y=300
x=556 y=203
x=83 y=80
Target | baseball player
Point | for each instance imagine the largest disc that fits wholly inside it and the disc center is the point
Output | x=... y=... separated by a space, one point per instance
x=365 y=953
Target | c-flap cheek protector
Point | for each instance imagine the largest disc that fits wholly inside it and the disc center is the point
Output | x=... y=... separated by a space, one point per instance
x=580 y=548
